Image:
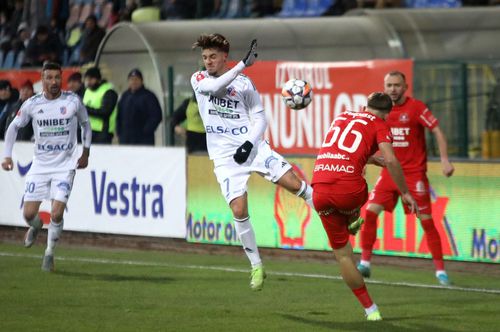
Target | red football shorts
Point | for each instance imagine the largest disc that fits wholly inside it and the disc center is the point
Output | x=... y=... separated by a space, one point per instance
x=338 y=205
x=386 y=193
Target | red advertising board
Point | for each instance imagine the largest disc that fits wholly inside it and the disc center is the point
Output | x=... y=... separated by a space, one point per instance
x=18 y=77
x=337 y=87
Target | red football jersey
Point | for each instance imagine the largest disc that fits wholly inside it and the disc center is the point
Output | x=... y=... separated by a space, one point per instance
x=408 y=122
x=352 y=138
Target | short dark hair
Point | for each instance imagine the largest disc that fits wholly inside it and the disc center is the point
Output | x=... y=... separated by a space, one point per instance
x=397 y=73
x=5 y=84
x=51 y=66
x=380 y=101
x=76 y=76
x=214 y=40
x=93 y=72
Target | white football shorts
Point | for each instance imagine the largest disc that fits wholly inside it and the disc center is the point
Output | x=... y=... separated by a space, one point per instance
x=55 y=186
x=233 y=177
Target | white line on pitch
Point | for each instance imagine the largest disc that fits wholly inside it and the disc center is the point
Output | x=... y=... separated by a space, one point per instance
x=228 y=269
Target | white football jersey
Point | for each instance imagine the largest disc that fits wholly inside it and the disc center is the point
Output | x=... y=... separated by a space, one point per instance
x=227 y=117
x=55 y=124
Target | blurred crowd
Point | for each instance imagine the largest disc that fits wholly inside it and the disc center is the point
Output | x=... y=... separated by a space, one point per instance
x=70 y=31
x=65 y=31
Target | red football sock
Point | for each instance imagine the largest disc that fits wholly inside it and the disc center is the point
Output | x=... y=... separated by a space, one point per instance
x=368 y=235
x=363 y=297
x=433 y=242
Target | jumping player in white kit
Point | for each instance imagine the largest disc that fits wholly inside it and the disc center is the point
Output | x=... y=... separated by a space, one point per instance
x=55 y=115
x=235 y=122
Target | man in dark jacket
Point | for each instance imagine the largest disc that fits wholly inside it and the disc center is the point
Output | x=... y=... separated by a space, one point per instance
x=91 y=38
x=139 y=113
x=75 y=84
x=25 y=92
x=8 y=97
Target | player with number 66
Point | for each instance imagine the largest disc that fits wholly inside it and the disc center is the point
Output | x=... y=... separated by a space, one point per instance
x=340 y=189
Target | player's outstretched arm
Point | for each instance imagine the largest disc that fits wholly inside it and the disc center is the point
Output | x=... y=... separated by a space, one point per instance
x=396 y=172
x=251 y=55
x=448 y=168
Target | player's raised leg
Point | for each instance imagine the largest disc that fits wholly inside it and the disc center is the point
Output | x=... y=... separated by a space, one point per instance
x=291 y=182
x=246 y=234
x=30 y=212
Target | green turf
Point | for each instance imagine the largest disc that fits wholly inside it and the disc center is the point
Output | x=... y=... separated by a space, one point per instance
x=165 y=291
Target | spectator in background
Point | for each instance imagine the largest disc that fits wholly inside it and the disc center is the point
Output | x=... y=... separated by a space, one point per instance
x=339 y=8
x=16 y=17
x=194 y=130
x=100 y=100
x=146 y=12
x=75 y=84
x=23 y=35
x=91 y=38
x=263 y=8
x=8 y=97
x=44 y=46
x=25 y=92
x=35 y=12
x=139 y=113
x=175 y=9
x=123 y=9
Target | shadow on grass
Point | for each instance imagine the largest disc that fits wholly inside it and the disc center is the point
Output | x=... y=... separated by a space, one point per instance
x=113 y=277
x=385 y=325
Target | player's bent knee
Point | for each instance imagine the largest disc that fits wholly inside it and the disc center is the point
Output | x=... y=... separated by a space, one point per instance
x=29 y=215
x=56 y=216
x=338 y=245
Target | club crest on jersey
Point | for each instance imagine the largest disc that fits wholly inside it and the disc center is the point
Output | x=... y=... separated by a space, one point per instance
x=63 y=110
x=231 y=91
x=200 y=76
x=403 y=117
x=420 y=187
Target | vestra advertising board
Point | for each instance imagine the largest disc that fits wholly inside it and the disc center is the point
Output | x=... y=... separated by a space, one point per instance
x=124 y=190
x=337 y=87
x=465 y=210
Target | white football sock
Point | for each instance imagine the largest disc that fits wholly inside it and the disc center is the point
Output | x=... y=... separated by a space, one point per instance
x=439 y=272
x=371 y=309
x=306 y=192
x=247 y=238
x=53 y=236
x=35 y=222
x=365 y=263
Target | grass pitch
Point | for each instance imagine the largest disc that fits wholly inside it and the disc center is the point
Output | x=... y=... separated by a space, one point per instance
x=120 y=290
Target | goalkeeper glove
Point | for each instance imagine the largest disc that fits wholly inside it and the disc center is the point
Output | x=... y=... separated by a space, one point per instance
x=243 y=152
x=249 y=59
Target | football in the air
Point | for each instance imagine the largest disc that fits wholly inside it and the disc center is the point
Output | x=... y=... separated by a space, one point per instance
x=296 y=94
